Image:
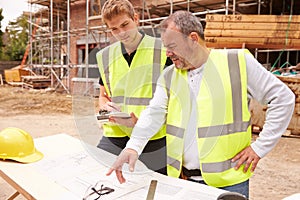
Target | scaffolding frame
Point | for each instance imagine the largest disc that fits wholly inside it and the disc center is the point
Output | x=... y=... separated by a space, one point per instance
x=50 y=50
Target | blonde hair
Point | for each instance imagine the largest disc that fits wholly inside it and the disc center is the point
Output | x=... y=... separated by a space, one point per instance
x=112 y=8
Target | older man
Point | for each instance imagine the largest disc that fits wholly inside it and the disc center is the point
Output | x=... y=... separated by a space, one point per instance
x=203 y=100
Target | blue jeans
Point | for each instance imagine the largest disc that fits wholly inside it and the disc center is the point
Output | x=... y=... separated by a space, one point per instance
x=242 y=188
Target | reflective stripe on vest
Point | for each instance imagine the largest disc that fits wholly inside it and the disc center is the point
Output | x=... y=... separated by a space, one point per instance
x=131 y=87
x=174 y=163
x=220 y=130
x=209 y=136
x=218 y=166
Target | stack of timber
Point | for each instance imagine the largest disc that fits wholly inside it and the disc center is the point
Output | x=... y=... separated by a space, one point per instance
x=252 y=31
x=293 y=82
x=36 y=82
x=258 y=111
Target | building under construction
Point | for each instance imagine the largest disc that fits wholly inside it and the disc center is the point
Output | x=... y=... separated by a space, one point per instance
x=66 y=34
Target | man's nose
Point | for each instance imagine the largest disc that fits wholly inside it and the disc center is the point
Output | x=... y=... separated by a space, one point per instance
x=169 y=53
x=122 y=31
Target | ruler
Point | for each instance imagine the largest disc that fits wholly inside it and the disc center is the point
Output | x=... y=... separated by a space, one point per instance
x=151 y=191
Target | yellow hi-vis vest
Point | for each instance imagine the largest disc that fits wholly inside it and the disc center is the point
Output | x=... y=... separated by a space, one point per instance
x=223 y=118
x=131 y=87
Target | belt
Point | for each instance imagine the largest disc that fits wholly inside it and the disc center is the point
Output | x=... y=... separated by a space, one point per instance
x=192 y=172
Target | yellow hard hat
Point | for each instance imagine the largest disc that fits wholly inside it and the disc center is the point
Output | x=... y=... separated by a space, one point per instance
x=16 y=144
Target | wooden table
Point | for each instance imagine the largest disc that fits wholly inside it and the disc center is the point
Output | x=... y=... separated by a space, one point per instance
x=68 y=167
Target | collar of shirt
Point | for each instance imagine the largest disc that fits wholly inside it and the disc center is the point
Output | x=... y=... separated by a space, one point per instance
x=129 y=57
x=194 y=78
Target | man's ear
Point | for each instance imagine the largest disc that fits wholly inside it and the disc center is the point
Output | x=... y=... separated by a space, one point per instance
x=136 y=18
x=194 y=37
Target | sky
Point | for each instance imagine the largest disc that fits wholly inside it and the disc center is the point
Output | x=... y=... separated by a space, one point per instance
x=12 y=9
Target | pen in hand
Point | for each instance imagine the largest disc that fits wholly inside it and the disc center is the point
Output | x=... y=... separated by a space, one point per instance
x=111 y=106
x=106 y=104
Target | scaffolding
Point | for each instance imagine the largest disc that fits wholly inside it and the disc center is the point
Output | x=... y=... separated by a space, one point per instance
x=70 y=32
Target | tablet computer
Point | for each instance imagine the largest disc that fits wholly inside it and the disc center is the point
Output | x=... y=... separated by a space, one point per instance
x=113 y=114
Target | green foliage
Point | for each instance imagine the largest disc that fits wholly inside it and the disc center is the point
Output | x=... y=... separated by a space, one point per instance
x=1 y=16
x=17 y=39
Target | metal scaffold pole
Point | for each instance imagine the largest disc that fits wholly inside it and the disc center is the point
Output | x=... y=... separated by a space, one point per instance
x=30 y=35
x=68 y=44
x=226 y=7
x=51 y=41
x=87 y=45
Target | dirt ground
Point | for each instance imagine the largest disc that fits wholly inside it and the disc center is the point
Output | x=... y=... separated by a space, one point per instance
x=43 y=113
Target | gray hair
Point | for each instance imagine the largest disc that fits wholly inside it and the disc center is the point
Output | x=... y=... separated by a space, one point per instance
x=185 y=21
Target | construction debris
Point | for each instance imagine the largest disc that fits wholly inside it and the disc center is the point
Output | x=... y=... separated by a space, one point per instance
x=15 y=74
x=36 y=82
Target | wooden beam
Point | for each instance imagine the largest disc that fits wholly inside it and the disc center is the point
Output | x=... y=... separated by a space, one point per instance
x=244 y=45
x=282 y=26
x=253 y=34
x=253 y=42
x=16 y=186
x=253 y=18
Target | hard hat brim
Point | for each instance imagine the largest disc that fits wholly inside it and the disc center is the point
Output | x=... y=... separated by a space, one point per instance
x=36 y=156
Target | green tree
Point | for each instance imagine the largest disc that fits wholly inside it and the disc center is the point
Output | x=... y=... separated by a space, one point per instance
x=18 y=38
